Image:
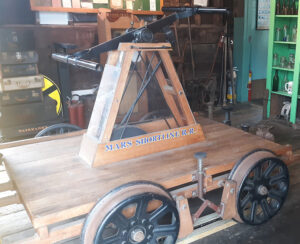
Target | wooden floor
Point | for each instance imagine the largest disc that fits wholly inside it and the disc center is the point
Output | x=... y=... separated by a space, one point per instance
x=55 y=185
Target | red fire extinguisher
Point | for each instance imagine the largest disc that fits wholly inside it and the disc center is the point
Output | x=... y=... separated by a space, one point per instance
x=76 y=113
x=249 y=86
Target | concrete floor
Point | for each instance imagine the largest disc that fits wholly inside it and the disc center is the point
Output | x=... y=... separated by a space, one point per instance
x=284 y=227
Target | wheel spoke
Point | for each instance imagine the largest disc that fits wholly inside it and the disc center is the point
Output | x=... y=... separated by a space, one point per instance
x=249 y=185
x=165 y=228
x=277 y=179
x=257 y=172
x=266 y=208
x=141 y=208
x=120 y=220
x=160 y=212
x=246 y=200
x=277 y=195
x=253 y=211
x=269 y=170
x=111 y=240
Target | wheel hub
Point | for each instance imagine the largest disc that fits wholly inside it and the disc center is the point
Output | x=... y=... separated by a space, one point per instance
x=262 y=190
x=137 y=235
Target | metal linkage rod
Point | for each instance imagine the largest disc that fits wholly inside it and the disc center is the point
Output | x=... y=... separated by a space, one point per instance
x=143 y=34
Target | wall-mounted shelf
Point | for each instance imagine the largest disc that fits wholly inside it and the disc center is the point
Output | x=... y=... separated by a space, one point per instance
x=49 y=8
x=87 y=10
x=284 y=69
x=283 y=93
x=286 y=16
x=286 y=43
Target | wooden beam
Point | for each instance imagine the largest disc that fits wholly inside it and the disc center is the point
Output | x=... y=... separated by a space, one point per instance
x=9 y=199
x=7 y=186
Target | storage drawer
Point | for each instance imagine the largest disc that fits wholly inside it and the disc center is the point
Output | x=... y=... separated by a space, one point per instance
x=28 y=57
x=21 y=83
x=15 y=115
x=20 y=97
x=25 y=131
x=14 y=70
x=14 y=41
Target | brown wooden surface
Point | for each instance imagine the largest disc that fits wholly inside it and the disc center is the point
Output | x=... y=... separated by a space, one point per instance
x=55 y=184
x=104 y=157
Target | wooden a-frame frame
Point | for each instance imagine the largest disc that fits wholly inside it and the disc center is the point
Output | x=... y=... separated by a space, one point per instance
x=96 y=147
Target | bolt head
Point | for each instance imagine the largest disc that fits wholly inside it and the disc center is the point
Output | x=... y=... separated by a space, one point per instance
x=132 y=223
x=231 y=190
x=149 y=237
x=200 y=155
x=124 y=232
x=194 y=194
x=150 y=227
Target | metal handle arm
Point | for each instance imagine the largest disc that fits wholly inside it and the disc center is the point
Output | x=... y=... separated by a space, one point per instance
x=68 y=59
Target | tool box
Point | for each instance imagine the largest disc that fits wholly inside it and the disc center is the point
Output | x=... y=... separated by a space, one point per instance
x=14 y=41
x=21 y=97
x=21 y=114
x=26 y=57
x=9 y=70
x=21 y=83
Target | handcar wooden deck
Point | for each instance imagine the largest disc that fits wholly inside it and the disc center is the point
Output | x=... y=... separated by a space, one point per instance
x=55 y=185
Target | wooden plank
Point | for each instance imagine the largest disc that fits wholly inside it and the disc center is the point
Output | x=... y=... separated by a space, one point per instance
x=206 y=219
x=185 y=107
x=168 y=97
x=144 y=46
x=155 y=142
x=13 y=223
x=7 y=186
x=207 y=231
x=19 y=237
x=10 y=209
x=8 y=198
x=186 y=222
x=108 y=127
x=87 y=10
x=40 y=139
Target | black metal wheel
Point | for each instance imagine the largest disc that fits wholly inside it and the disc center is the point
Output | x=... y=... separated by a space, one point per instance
x=262 y=186
x=135 y=213
x=57 y=129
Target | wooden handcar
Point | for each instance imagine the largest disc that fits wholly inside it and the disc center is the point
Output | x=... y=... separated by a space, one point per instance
x=128 y=178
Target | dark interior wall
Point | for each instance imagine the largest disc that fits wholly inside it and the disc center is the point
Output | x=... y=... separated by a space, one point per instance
x=204 y=36
x=45 y=36
x=82 y=36
x=16 y=12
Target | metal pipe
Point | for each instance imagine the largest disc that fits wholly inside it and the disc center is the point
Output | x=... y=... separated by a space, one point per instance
x=200 y=156
x=68 y=59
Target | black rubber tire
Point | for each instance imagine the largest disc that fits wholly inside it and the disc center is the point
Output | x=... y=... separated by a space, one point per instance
x=52 y=130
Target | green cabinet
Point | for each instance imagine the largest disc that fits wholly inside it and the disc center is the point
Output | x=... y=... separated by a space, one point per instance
x=284 y=57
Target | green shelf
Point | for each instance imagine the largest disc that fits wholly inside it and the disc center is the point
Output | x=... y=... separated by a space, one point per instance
x=284 y=69
x=286 y=16
x=283 y=49
x=287 y=43
x=283 y=93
